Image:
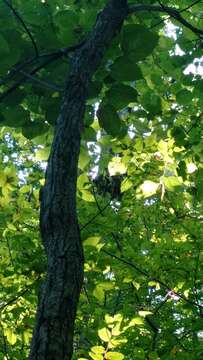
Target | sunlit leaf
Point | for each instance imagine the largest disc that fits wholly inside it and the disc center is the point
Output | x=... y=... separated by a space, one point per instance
x=114 y=355
x=116 y=167
x=11 y=336
x=149 y=188
x=104 y=334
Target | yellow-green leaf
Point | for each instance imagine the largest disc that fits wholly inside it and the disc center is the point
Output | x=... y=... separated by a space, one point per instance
x=114 y=356
x=96 y=356
x=11 y=336
x=42 y=154
x=98 y=349
x=126 y=185
x=92 y=241
x=116 y=166
x=149 y=188
x=104 y=334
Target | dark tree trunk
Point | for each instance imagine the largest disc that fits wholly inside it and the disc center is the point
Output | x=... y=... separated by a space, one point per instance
x=53 y=335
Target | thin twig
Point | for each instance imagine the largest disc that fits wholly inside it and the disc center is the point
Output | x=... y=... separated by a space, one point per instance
x=169 y=10
x=96 y=201
x=11 y=301
x=95 y=216
x=15 y=69
x=24 y=26
x=145 y=273
x=149 y=321
x=24 y=78
x=20 y=294
x=182 y=10
x=46 y=84
x=176 y=15
x=51 y=57
x=191 y=5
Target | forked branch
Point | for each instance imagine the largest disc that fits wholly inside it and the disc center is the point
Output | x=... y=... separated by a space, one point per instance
x=168 y=10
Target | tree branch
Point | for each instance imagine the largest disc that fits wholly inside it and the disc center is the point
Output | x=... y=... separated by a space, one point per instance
x=165 y=9
x=51 y=57
x=43 y=83
x=146 y=274
x=23 y=25
x=24 y=78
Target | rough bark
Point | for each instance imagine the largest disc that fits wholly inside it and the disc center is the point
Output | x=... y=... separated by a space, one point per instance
x=53 y=334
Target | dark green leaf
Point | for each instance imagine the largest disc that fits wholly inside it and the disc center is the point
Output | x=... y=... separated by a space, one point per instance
x=125 y=69
x=34 y=129
x=109 y=119
x=138 y=41
x=120 y=95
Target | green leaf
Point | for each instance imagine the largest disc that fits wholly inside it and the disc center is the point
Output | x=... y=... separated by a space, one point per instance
x=139 y=354
x=138 y=41
x=152 y=103
x=66 y=19
x=116 y=330
x=137 y=320
x=116 y=167
x=113 y=319
x=4 y=47
x=96 y=356
x=199 y=184
x=98 y=349
x=92 y=241
x=184 y=97
x=52 y=111
x=171 y=182
x=125 y=69
x=179 y=135
x=42 y=154
x=35 y=13
x=126 y=185
x=104 y=334
x=109 y=119
x=84 y=158
x=144 y=313
x=16 y=116
x=149 y=188
x=86 y=195
x=67 y=22
x=99 y=293
x=121 y=95
x=154 y=356
x=11 y=336
x=34 y=129
x=114 y=355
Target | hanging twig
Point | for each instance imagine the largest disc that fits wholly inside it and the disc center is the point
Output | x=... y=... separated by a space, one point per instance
x=24 y=26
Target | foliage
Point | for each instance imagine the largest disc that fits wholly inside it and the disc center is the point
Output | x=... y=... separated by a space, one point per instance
x=142 y=292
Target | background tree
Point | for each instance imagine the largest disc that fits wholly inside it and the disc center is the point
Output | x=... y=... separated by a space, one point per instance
x=102 y=89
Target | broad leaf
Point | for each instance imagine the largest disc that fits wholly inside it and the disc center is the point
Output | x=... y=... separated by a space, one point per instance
x=138 y=41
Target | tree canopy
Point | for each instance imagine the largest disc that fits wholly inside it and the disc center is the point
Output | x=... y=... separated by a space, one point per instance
x=118 y=84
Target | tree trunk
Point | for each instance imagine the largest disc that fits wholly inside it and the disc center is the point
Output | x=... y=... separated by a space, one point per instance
x=53 y=335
